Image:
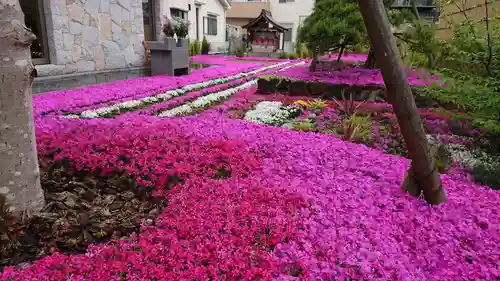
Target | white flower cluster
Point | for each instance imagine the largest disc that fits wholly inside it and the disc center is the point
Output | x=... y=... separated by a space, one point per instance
x=210 y=99
x=270 y=113
x=467 y=158
x=115 y=108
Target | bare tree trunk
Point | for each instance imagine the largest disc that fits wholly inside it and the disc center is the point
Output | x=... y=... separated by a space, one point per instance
x=314 y=62
x=370 y=61
x=341 y=52
x=19 y=173
x=424 y=172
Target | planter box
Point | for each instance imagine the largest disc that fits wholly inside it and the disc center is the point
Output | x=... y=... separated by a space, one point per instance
x=323 y=90
x=182 y=43
x=169 y=56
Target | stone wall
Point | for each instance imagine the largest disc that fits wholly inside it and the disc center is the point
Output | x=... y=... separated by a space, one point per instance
x=93 y=35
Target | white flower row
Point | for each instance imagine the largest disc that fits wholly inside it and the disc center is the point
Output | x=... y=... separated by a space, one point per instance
x=270 y=113
x=204 y=101
x=207 y=100
x=94 y=113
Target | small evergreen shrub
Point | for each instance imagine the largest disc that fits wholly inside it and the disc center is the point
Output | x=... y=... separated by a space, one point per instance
x=205 y=46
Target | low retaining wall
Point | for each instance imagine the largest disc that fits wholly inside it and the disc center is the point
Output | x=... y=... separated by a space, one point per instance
x=371 y=92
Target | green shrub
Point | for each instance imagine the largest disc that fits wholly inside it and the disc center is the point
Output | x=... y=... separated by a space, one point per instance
x=190 y=51
x=487 y=174
x=181 y=29
x=304 y=126
x=205 y=46
x=303 y=51
x=357 y=129
x=240 y=51
x=196 y=48
x=285 y=55
x=478 y=96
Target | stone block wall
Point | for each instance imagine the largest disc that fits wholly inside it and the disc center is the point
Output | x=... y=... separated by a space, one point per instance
x=93 y=36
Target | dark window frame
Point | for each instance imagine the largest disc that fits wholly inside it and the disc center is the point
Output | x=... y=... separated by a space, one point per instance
x=184 y=14
x=153 y=18
x=210 y=25
x=43 y=35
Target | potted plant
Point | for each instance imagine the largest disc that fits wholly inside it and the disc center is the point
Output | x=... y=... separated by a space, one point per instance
x=181 y=29
x=169 y=31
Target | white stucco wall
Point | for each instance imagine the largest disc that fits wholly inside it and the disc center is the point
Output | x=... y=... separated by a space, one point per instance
x=214 y=7
x=291 y=13
x=206 y=7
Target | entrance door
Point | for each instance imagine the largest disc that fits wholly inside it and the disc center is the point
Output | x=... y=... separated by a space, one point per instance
x=198 y=23
x=149 y=20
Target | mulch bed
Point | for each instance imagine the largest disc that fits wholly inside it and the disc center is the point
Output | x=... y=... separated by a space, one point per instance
x=80 y=209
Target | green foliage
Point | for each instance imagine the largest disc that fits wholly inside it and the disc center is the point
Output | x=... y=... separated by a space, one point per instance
x=422 y=38
x=304 y=126
x=285 y=55
x=443 y=159
x=240 y=51
x=302 y=51
x=464 y=63
x=479 y=97
x=205 y=46
x=332 y=23
x=181 y=29
x=357 y=129
x=196 y=48
x=347 y=106
x=487 y=174
x=317 y=105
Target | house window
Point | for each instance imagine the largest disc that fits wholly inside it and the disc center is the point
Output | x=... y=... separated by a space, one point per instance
x=210 y=25
x=33 y=16
x=148 y=18
x=178 y=14
x=286 y=1
x=287 y=35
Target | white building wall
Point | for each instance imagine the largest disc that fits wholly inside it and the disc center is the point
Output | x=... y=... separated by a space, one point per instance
x=291 y=14
x=213 y=7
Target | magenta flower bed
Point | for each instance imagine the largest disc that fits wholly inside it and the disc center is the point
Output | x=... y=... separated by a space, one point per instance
x=95 y=96
x=289 y=205
x=296 y=204
x=354 y=76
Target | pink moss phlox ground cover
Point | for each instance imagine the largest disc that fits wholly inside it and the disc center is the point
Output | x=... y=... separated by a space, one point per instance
x=335 y=208
x=353 y=76
x=157 y=108
x=95 y=96
x=253 y=202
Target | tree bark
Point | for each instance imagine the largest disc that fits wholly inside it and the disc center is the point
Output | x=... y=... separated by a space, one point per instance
x=424 y=171
x=341 y=52
x=370 y=61
x=19 y=173
x=314 y=62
